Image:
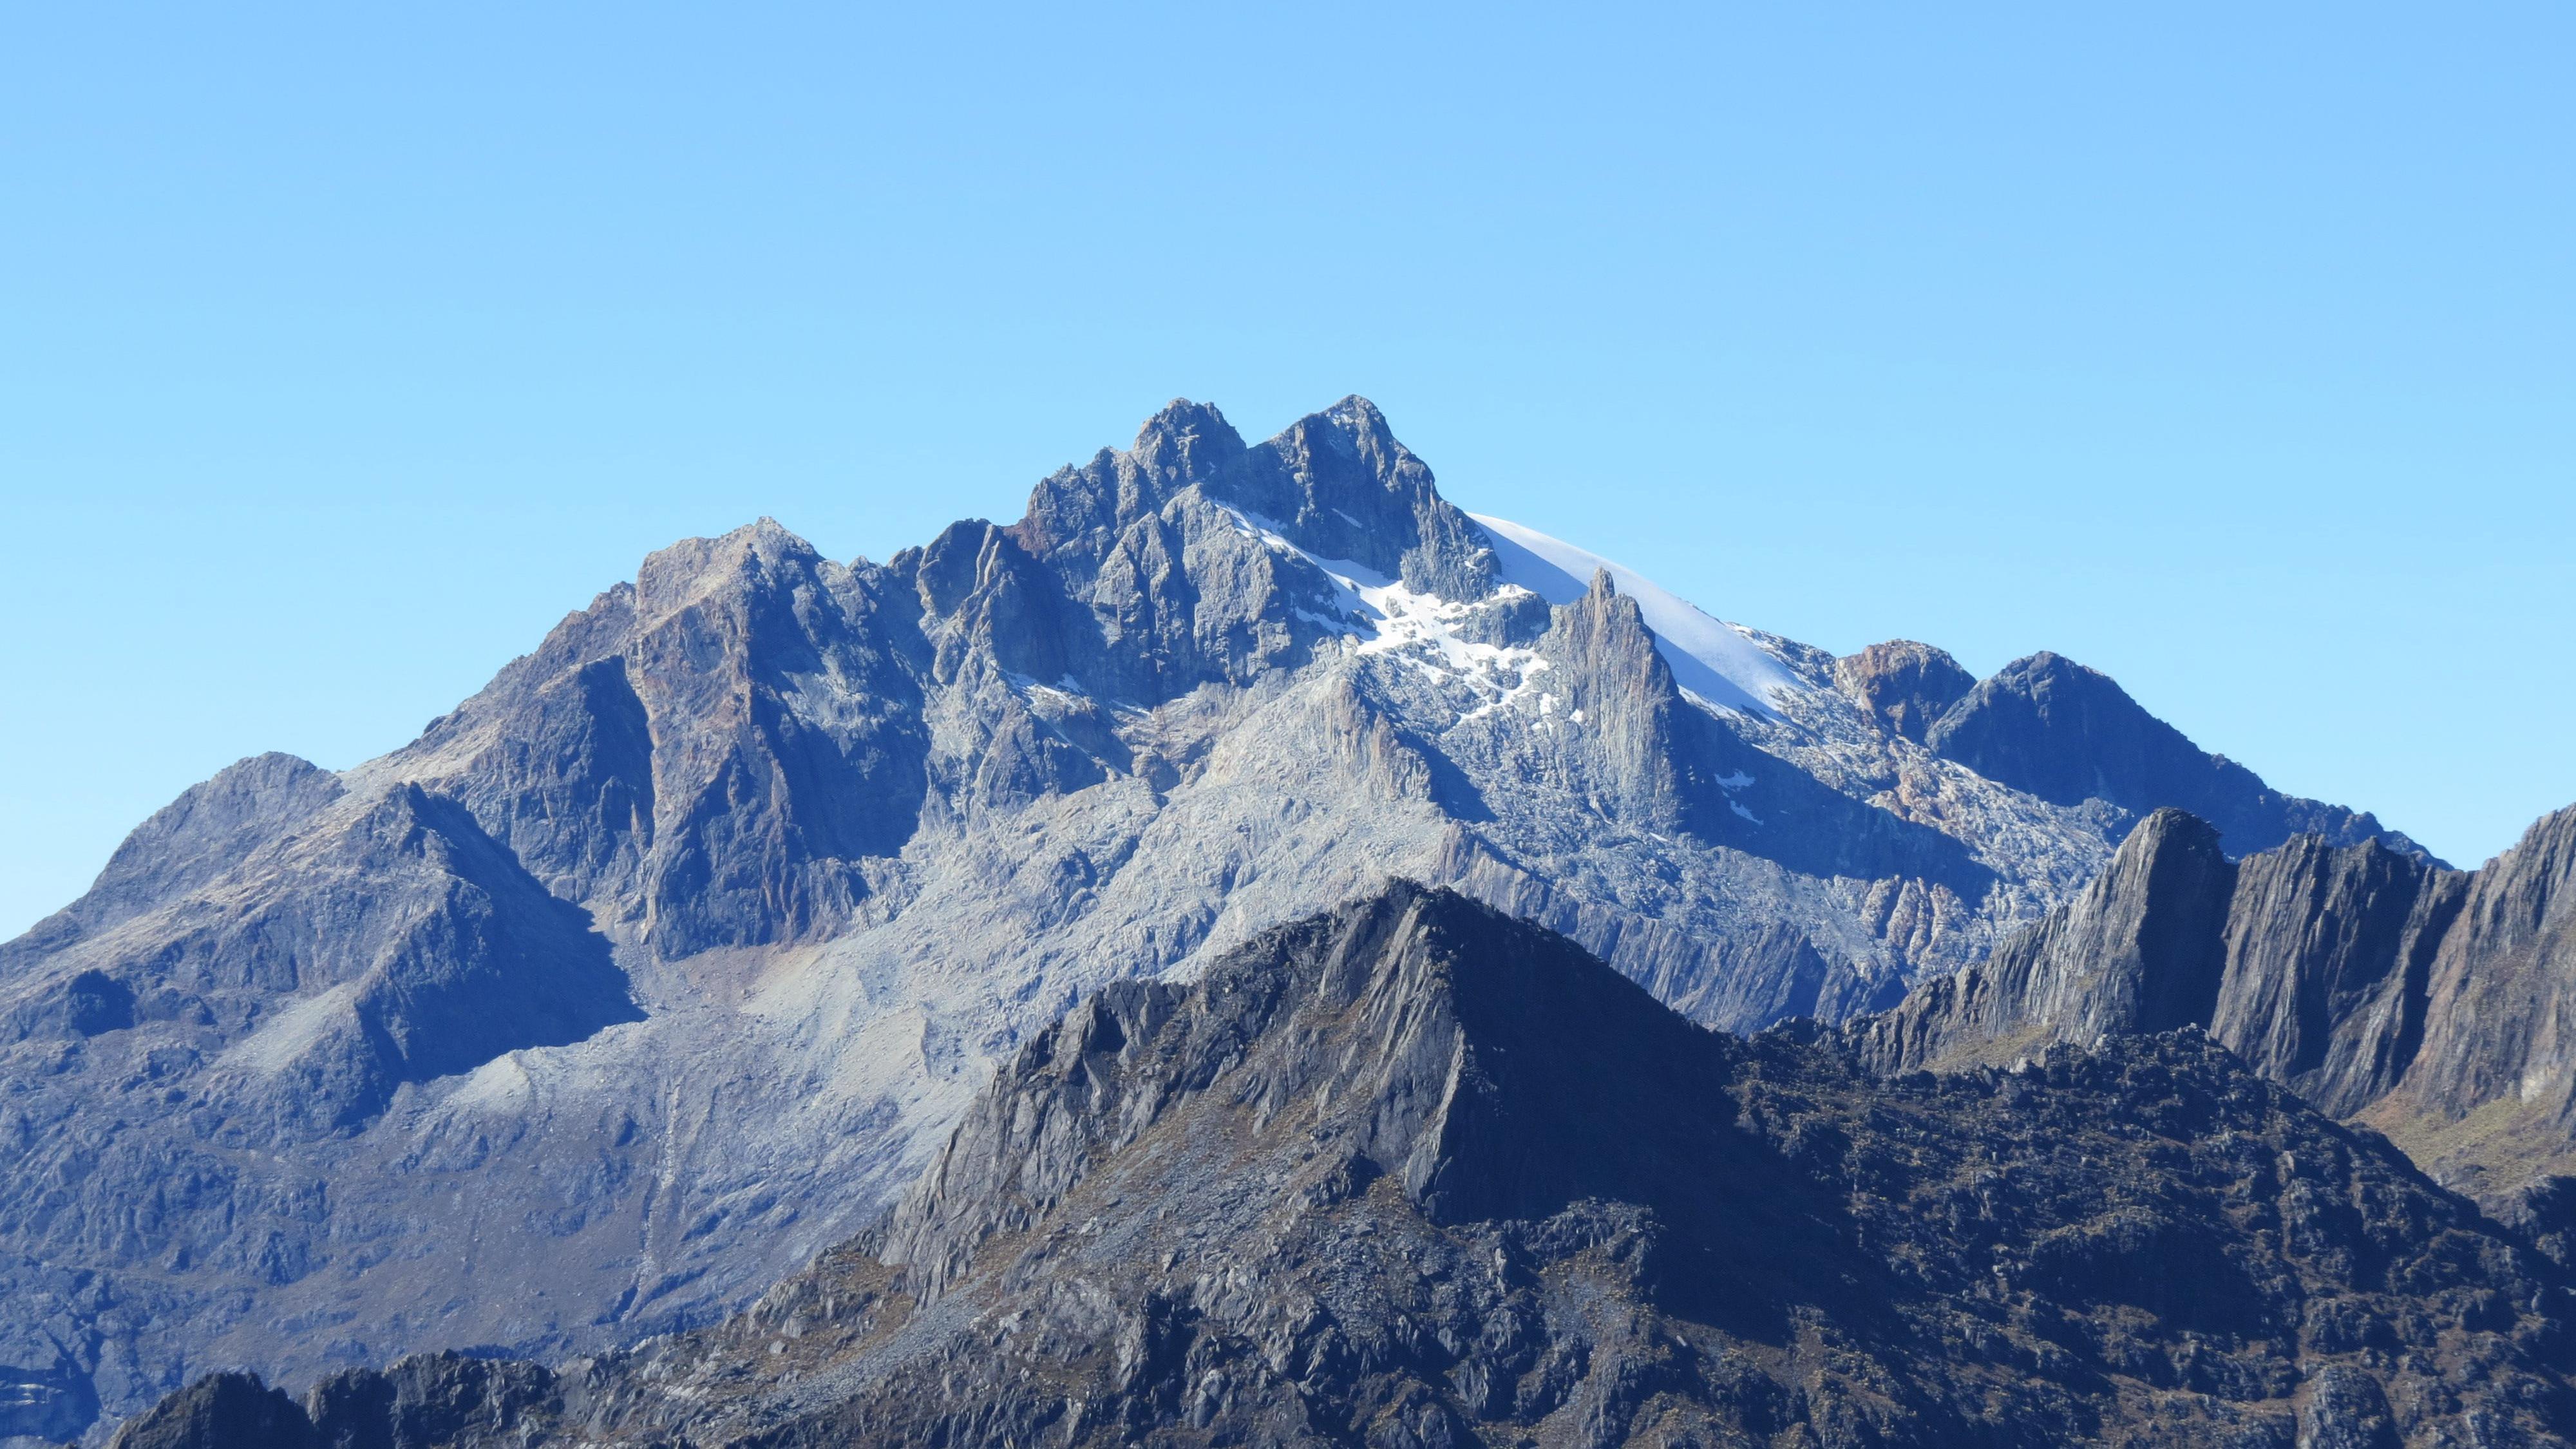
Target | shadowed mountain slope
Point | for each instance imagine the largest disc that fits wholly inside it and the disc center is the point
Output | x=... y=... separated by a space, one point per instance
x=1413 y=1173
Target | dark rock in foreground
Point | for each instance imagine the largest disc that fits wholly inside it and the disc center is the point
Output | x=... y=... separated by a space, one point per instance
x=1415 y=1173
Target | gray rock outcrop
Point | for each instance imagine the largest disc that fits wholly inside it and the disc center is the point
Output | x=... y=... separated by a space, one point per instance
x=2141 y=950
x=2489 y=1099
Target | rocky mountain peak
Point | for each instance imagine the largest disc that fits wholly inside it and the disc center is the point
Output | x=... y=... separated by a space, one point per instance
x=1339 y=485
x=188 y=844
x=1464 y=1054
x=842 y=837
x=755 y=554
x=2069 y=734
x=1186 y=443
x=1904 y=685
x=1162 y=516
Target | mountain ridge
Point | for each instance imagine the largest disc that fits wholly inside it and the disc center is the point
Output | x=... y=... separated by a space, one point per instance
x=1414 y=1173
x=835 y=837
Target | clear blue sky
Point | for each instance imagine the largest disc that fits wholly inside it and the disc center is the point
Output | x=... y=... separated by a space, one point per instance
x=2231 y=349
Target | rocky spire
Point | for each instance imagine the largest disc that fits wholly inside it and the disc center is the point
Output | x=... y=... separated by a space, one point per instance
x=2139 y=951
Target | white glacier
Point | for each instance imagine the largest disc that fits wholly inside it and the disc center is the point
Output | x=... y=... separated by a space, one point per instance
x=1709 y=658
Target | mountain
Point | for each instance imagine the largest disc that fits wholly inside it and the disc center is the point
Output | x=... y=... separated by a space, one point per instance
x=2067 y=734
x=658 y=966
x=1414 y=1173
x=2438 y=1006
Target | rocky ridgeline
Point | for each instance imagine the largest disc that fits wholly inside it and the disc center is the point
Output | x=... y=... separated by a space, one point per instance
x=662 y=963
x=1414 y=1173
x=2436 y=1005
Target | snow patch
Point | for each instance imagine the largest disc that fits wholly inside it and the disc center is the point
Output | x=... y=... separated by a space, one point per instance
x=1067 y=689
x=1379 y=615
x=1710 y=659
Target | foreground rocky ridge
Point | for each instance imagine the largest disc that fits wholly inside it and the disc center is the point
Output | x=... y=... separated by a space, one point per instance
x=2437 y=1005
x=766 y=861
x=1414 y=1173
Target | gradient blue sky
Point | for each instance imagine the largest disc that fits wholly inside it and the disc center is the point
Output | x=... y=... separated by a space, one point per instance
x=2230 y=349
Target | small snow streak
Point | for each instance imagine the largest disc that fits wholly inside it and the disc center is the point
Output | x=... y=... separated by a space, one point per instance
x=1382 y=616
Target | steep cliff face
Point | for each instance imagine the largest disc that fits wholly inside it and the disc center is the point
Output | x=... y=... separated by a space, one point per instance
x=1415 y=1174
x=2431 y=1003
x=2055 y=729
x=2491 y=1096
x=654 y=968
x=2328 y=952
x=2140 y=950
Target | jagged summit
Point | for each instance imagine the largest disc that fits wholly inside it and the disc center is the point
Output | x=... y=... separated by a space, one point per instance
x=1905 y=685
x=1187 y=442
x=1335 y=484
